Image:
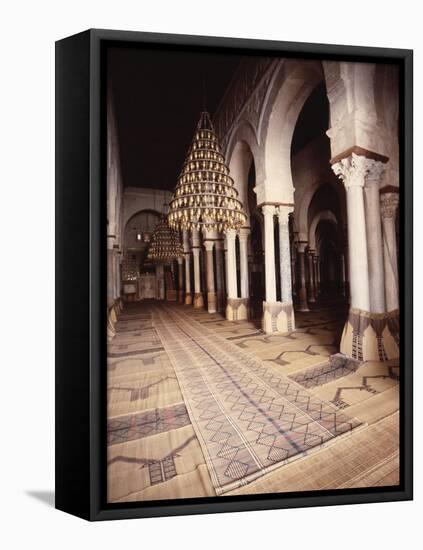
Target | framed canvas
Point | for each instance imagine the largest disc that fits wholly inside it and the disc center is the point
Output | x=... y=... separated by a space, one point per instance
x=233 y=274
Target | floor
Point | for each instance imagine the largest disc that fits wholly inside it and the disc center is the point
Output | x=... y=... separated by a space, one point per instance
x=200 y=406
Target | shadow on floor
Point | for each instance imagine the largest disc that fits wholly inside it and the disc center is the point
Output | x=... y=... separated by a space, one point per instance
x=46 y=497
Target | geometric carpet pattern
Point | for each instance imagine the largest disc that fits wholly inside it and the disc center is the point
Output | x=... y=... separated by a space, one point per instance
x=337 y=367
x=155 y=452
x=136 y=426
x=248 y=419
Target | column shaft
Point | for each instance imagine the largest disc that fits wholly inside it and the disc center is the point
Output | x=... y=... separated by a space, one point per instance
x=389 y=206
x=303 y=286
x=180 y=280
x=231 y=264
x=375 y=243
x=211 y=294
x=285 y=255
x=269 y=254
x=312 y=286
x=243 y=253
x=358 y=261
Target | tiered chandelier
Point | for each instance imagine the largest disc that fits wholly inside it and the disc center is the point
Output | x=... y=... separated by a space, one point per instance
x=205 y=196
x=165 y=243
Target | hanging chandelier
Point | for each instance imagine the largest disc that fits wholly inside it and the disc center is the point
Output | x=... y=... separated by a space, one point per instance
x=165 y=243
x=205 y=196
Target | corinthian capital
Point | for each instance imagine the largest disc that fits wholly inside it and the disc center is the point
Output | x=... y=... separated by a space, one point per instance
x=353 y=170
x=388 y=204
x=375 y=173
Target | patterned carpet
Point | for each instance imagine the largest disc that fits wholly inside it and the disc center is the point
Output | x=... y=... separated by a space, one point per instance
x=199 y=406
x=248 y=419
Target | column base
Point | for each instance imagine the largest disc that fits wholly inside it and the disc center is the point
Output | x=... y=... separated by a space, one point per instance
x=188 y=299
x=171 y=295
x=237 y=309
x=278 y=317
x=111 y=322
x=198 y=300
x=211 y=302
x=371 y=336
x=181 y=296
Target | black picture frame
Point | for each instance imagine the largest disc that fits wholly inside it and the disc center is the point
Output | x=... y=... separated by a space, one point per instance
x=81 y=269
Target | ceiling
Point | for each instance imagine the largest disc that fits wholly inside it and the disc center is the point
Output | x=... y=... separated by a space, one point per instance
x=158 y=97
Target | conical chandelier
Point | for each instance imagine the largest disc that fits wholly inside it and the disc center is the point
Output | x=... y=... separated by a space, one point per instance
x=165 y=243
x=205 y=196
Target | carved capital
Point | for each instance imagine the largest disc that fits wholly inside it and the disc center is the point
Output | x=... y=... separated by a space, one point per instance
x=244 y=233
x=268 y=210
x=283 y=213
x=302 y=245
x=375 y=173
x=230 y=235
x=208 y=245
x=353 y=170
x=389 y=204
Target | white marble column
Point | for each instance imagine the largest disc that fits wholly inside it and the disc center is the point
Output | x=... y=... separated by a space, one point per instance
x=285 y=254
x=352 y=171
x=236 y=308
x=302 y=291
x=198 y=296
x=211 y=292
x=269 y=252
x=374 y=238
x=180 y=280
x=244 y=233
x=231 y=264
x=389 y=205
x=368 y=335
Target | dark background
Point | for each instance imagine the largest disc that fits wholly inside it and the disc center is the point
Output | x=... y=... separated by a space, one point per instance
x=158 y=97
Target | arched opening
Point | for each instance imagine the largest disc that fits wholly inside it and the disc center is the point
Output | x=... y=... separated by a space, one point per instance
x=243 y=169
x=320 y=279
x=137 y=236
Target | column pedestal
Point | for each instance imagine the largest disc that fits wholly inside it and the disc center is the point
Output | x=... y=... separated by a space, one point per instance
x=277 y=317
x=198 y=300
x=237 y=309
x=111 y=323
x=371 y=336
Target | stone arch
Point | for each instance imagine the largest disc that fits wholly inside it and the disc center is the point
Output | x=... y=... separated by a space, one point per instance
x=147 y=212
x=242 y=152
x=293 y=85
x=304 y=203
x=326 y=215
